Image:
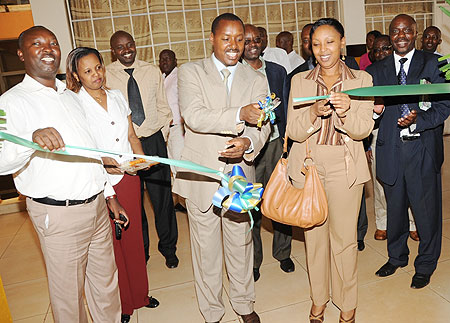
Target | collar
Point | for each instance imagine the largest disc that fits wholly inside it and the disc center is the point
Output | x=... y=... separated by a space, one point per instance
x=174 y=72
x=346 y=73
x=408 y=56
x=32 y=85
x=262 y=69
x=220 y=66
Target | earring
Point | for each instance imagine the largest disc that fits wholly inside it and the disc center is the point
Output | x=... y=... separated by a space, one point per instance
x=343 y=57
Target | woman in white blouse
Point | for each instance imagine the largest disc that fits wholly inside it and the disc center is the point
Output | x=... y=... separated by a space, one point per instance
x=109 y=119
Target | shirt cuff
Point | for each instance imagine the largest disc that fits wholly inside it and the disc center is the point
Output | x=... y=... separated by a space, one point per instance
x=250 y=149
x=109 y=190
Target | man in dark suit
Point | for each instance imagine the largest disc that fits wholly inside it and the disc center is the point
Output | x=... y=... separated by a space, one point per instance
x=409 y=152
x=271 y=153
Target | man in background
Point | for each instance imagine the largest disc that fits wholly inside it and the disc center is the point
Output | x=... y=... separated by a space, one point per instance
x=285 y=40
x=271 y=152
x=175 y=140
x=273 y=54
x=143 y=86
x=431 y=39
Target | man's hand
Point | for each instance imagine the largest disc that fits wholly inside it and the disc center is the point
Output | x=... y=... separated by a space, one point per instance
x=48 y=138
x=250 y=113
x=369 y=155
x=111 y=166
x=116 y=208
x=236 y=148
x=378 y=108
x=408 y=120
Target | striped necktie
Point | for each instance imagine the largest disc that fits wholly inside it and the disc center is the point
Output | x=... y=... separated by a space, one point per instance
x=404 y=110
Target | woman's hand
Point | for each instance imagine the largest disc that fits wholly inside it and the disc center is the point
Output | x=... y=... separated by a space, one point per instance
x=111 y=166
x=320 y=109
x=341 y=103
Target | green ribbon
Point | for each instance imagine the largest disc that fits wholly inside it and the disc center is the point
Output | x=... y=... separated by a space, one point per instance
x=388 y=90
x=95 y=152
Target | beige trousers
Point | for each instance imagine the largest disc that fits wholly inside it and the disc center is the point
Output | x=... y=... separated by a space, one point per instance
x=213 y=237
x=77 y=245
x=331 y=248
x=379 y=200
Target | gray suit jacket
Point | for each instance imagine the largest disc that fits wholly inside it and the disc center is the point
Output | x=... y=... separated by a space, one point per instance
x=210 y=121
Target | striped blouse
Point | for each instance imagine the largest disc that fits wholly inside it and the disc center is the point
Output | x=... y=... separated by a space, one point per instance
x=328 y=135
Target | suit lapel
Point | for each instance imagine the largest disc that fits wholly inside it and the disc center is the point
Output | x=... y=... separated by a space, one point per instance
x=389 y=71
x=238 y=86
x=215 y=81
x=415 y=67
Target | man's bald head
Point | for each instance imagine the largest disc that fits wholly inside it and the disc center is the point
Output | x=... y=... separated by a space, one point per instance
x=285 y=40
x=27 y=32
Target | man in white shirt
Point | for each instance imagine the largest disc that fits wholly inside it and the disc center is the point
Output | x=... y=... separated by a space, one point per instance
x=285 y=40
x=274 y=54
x=175 y=139
x=64 y=193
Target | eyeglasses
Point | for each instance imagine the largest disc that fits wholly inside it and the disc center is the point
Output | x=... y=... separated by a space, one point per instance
x=382 y=49
x=256 y=40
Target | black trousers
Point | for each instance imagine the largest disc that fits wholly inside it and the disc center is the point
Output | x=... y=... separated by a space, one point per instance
x=418 y=185
x=362 y=218
x=158 y=183
x=282 y=233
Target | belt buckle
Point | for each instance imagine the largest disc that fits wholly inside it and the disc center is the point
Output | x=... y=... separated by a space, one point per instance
x=67 y=203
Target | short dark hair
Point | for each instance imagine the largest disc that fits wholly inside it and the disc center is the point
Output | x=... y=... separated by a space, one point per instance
x=433 y=27
x=72 y=66
x=25 y=32
x=375 y=33
x=225 y=16
x=285 y=34
x=329 y=22
x=383 y=37
x=168 y=51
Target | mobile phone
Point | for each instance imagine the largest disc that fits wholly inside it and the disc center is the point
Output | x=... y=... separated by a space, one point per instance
x=117 y=226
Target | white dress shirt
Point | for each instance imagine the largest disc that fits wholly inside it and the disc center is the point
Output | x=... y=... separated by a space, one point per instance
x=295 y=60
x=279 y=56
x=30 y=106
x=171 y=87
x=220 y=66
x=109 y=128
x=409 y=56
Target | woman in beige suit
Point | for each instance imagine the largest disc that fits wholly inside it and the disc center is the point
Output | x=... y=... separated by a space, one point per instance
x=333 y=129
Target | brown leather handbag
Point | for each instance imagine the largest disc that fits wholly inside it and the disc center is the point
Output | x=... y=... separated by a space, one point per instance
x=284 y=203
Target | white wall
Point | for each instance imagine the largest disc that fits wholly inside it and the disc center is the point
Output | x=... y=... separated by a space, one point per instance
x=353 y=17
x=53 y=15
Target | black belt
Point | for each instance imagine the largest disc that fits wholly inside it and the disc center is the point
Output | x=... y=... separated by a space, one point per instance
x=409 y=138
x=50 y=201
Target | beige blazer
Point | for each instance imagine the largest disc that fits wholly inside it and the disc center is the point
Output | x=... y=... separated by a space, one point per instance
x=357 y=126
x=210 y=121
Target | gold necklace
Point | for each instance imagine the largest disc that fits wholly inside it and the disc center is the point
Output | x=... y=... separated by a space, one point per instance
x=97 y=98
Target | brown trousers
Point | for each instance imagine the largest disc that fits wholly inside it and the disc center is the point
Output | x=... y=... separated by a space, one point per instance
x=331 y=248
x=210 y=234
x=77 y=245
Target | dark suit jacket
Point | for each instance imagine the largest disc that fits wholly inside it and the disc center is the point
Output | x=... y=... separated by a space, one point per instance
x=276 y=76
x=429 y=123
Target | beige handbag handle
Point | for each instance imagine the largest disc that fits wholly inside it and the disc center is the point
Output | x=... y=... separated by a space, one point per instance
x=308 y=156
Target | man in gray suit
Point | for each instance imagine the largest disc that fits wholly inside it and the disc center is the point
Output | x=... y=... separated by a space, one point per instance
x=218 y=100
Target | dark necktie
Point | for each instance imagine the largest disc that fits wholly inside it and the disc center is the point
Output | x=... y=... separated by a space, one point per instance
x=134 y=99
x=404 y=110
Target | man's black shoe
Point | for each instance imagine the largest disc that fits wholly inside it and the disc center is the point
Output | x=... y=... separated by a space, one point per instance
x=287 y=265
x=172 y=262
x=256 y=274
x=361 y=245
x=125 y=318
x=387 y=269
x=420 y=280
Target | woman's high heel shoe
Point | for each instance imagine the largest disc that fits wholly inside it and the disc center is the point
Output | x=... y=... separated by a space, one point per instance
x=316 y=318
x=350 y=320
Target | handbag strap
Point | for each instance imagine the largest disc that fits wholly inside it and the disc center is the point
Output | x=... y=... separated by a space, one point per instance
x=285 y=144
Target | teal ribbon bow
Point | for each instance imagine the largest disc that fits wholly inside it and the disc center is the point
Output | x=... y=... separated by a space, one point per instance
x=237 y=194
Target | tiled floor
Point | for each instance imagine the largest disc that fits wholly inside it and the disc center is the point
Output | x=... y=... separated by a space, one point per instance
x=280 y=297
